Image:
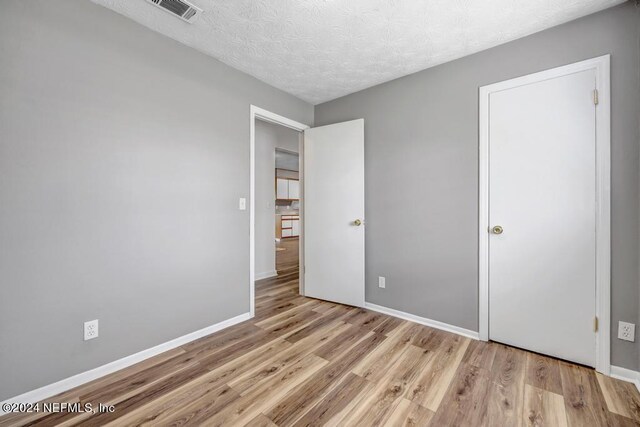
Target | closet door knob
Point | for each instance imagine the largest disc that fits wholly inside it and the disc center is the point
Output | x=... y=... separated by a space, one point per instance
x=497 y=229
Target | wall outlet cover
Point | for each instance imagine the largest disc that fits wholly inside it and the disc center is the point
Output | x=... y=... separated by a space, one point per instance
x=626 y=331
x=91 y=329
x=382 y=282
x=242 y=204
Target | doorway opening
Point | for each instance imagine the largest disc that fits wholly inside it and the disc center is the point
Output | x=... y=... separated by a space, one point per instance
x=287 y=210
x=276 y=199
x=330 y=235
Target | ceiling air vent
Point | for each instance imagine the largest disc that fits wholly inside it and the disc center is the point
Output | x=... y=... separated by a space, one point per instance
x=182 y=9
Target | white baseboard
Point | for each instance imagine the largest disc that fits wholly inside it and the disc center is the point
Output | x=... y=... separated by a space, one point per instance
x=266 y=275
x=84 y=377
x=626 y=375
x=423 y=320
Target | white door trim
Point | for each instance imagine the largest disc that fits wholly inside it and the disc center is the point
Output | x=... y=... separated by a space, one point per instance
x=603 y=197
x=267 y=116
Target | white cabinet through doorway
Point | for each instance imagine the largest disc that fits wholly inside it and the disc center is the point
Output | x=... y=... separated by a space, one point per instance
x=294 y=189
x=282 y=188
x=287 y=189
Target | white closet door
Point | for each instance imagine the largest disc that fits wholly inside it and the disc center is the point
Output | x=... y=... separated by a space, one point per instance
x=542 y=193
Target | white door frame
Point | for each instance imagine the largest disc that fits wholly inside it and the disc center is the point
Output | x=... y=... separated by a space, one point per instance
x=267 y=116
x=603 y=197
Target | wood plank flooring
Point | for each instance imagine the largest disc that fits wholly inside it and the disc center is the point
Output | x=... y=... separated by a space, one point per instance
x=305 y=362
x=287 y=253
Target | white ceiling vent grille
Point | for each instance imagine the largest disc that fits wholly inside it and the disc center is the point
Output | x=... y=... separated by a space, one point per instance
x=182 y=9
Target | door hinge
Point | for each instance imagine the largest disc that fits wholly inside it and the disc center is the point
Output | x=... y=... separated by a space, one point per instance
x=595 y=324
x=595 y=97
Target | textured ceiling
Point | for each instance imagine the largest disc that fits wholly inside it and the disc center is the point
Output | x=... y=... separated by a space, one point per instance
x=319 y=50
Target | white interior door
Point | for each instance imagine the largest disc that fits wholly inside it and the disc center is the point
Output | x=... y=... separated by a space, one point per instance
x=542 y=192
x=333 y=206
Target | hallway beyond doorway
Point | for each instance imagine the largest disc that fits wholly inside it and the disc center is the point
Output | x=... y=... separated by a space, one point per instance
x=287 y=255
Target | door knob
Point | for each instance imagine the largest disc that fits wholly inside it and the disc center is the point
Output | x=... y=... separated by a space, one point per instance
x=358 y=222
x=497 y=229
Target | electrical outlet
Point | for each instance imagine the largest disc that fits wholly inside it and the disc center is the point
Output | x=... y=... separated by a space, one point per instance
x=91 y=329
x=626 y=331
x=242 y=204
x=382 y=282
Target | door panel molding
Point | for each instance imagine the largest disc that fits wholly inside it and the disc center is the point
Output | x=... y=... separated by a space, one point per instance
x=601 y=65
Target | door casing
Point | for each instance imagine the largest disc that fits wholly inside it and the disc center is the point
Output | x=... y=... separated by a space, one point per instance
x=601 y=65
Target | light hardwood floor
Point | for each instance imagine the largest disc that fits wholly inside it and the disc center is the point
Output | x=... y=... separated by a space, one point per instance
x=287 y=253
x=306 y=362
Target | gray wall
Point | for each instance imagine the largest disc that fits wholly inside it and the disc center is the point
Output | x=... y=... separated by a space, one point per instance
x=421 y=158
x=268 y=137
x=122 y=158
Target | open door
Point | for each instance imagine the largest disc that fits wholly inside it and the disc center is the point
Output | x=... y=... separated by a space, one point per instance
x=334 y=212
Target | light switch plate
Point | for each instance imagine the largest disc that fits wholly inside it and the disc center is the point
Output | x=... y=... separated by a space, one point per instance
x=242 y=204
x=382 y=282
